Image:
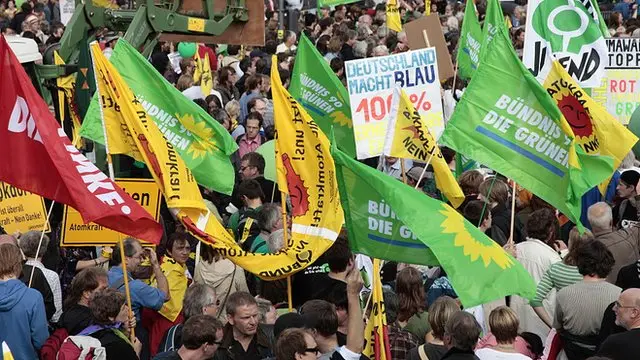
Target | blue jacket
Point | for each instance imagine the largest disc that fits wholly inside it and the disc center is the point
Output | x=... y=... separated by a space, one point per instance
x=23 y=322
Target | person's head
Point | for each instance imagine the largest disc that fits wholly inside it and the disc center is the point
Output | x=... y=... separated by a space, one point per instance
x=339 y=256
x=391 y=305
x=187 y=66
x=288 y=321
x=335 y=44
x=178 y=247
x=337 y=65
x=29 y=244
x=57 y=30
x=31 y=23
x=627 y=309
x=202 y=333
x=250 y=191
x=360 y=49
x=222 y=117
x=296 y=344
x=600 y=216
x=242 y=313
x=84 y=285
x=270 y=218
x=133 y=252
x=265 y=86
x=248 y=66
x=233 y=50
x=10 y=261
x=439 y=314
x=251 y=165
x=253 y=125
x=184 y=82
x=380 y=50
x=108 y=307
x=268 y=313
x=461 y=331
x=320 y=316
x=576 y=240
x=213 y=103
x=541 y=225
x=627 y=186
x=503 y=323
x=410 y=290
x=227 y=76
x=290 y=38
x=499 y=193
x=199 y=299
x=594 y=259
x=470 y=181
x=257 y=105
x=472 y=212
x=252 y=83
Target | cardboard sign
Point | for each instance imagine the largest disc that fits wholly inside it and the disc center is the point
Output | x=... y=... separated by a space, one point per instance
x=21 y=210
x=415 y=36
x=76 y=233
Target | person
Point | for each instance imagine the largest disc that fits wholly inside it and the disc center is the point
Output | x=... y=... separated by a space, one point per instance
x=201 y=336
x=537 y=254
x=497 y=201
x=560 y=274
x=77 y=314
x=392 y=167
x=625 y=345
x=252 y=139
x=296 y=344
x=226 y=78
x=439 y=314
x=503 y=323
x=251 y=195
x=349 y=39
x=623 y=243
x=580 y=307
x=288 y=45
x=29 y=245
x=244 y=337
x=110 y=41
x=320 y=317
x=412 y=315
x=627 y=208
x=472 y=212
x=470 y=181
x=109 y=310
x=268 y=312
x=252 y=167
x=269 y=220
x=22 y=314
x=252 y=90
x=401 y=341
x=460 y=336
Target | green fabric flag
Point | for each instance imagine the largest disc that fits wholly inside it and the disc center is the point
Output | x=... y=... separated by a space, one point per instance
x=201 y=141
x=493 y=22
x=517 y=129
x=464 y=163
x=470 y=42
x=85 y=81
x=318 y=89
x=477 y=267
x=322 y=3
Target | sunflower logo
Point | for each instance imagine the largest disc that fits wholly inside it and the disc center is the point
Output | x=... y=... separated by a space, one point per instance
x=473 y=247
x=203 y=141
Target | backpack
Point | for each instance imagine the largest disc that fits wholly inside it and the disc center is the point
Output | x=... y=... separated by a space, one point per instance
x=81 y=348
x=247 y=226
x=53 y=343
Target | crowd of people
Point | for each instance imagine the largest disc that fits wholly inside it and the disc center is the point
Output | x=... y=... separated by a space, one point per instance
x=57 y=302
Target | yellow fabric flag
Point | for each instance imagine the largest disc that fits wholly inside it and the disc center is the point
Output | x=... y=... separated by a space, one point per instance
x=596 y=131
x=6 y=352
x=178 y=283
x=408 y=137
x=376 y=334
x=202 y=74
x=66 y=90
x=393 y=16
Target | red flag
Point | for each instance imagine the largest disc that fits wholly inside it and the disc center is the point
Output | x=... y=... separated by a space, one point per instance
x=36 y=155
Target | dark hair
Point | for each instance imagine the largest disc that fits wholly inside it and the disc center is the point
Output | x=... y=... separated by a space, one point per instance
x=254 y=115
x=245 y=64
x=199 y=330
x=252 y=83
x=410 y=290
x=251 y=189
x=593 y=258
x=224 y=73
x=237 y=299
x=261 y=66
x=11 y=260
x=470 y=181
x=233 y=49
x=339 y=254
x=202 y=103
x=325 y=23
x=180 y=237
x=463 y=329
x=215 y=99
x=541 y=224
x=447 y=153
x=290 y=343
x=336 y=64
x=270 y=47
x=106 y=304
x=254 y=159
x=85 y=280
x=321 y=316
x=472 y=212
x=220 y=115
x=390 y=305
x=284 y=75
x=129 y=250
x=534 y=343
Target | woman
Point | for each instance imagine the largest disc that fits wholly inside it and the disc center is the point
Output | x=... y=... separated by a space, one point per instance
x=77 y=314
x=184 y=82
x=439 y=313
x=495 y=193
x=174 y=267
x=221 y=274
x=411 y=314
x=503 y=323
x=233 y=110
x=213 y=103
x=109 y=311
x=227 y=77
x=560 y=274
x=333 y=49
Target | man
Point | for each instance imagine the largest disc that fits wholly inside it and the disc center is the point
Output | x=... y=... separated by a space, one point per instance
x=244 y=338
x=252 y=139
x=623 y=243
x=269 y=220
x=325 y=12
x=57 y=30
x=349 y=38
x=252 y=168
x=289 y=44
x=243 y=222
x=258 y=103
x=253 y=84
x=627 y=209
x=202 y=335
x=248 y=67
x=624 y=345
x=460 y=336
x=380 y=50
x=199 y=299
x=392 y=167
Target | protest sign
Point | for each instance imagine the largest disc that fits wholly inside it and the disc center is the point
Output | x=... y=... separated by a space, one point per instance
x=67 y=7
x=618 y=91
x=21 y=210
x=371 y=82
x=76 y=233
x=415 y=36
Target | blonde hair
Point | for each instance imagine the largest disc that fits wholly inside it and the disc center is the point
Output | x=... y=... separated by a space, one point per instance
x=504 y=323
x=576 y=240
x=184 y=82
x=440 y=312
x=233 y=109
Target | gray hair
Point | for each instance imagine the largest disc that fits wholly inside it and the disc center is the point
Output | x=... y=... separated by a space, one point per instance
x=380 y=50
x=264 y=306
x=628 y=160
x=382 y=32
x=268 y=216
x=197 y=297
x=275 y=241
x=360 y=49
x=129 y=250
x=29 y=243
x=600 y=216
x=464 y=330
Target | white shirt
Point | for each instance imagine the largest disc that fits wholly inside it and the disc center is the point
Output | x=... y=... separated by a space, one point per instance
x=490 y=354
x=195 y=92
x=395 y=169
x=54 y=283
x=283 y=48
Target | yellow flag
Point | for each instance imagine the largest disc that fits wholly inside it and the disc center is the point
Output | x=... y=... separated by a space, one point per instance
x=66 y=90
x=393 y=16
x=408 y=137
x=6 y=353
x=202 y=74
x=376 y=334
x=596 y=131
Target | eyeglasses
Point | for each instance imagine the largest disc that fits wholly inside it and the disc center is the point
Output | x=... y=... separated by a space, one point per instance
x=243 y=168
x=619 y=306
x=314 y=350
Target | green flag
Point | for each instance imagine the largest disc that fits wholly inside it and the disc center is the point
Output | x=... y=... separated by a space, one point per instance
x=318 y=89
x=464 y=163
x=470 y=41
x=477 y=267
x=493 y=22
x=517 y=129
x=322 y=3
x=85 y=81
x=201 y=141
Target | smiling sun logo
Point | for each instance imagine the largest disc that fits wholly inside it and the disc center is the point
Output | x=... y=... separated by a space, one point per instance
x=487 y=249
x=203 y=142
x=580 y=121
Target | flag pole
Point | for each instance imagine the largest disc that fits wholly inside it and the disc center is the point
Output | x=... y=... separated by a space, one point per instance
x=424 y=170
x=402 y=170
x=44 y=227
x=285 y=229
x=513 y=213
x=127 y=292
x=426 y=38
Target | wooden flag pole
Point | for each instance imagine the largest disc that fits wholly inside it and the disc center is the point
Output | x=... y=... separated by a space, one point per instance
x=424 y=170
x=285 y=229
x=426 y=38
x=402 y=170
x=44 y=227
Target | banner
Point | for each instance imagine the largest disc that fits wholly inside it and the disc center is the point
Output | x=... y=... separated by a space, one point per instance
x=572 y=32
x=618 y=92
x=21 y=210
x=371 y=82
x=471 y=39
x=74 y=232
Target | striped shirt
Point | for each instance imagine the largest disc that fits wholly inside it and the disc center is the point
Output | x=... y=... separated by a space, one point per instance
x=558 y=276
x=54 y=283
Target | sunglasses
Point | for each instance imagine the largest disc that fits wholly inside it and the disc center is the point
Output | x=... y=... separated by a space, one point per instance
x=314 y=350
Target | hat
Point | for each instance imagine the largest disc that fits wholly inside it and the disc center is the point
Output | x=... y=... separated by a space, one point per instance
x=630 y=177
x=415 y=173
